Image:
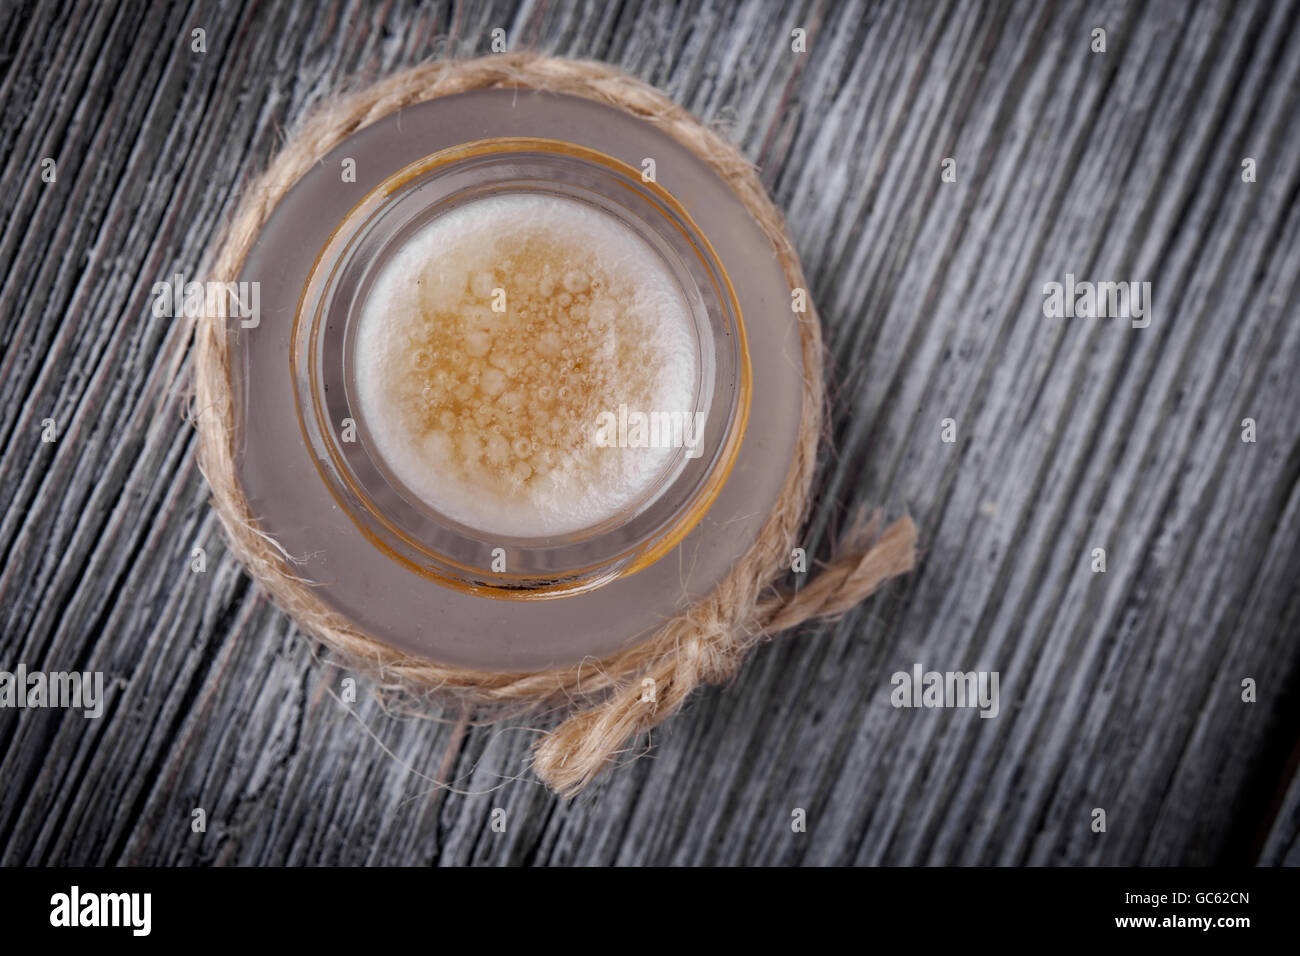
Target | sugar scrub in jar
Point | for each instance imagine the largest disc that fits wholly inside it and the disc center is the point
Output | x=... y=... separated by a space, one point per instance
x=497 y=346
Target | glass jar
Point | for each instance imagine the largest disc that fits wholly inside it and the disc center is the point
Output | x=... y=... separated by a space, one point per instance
x=402 y=524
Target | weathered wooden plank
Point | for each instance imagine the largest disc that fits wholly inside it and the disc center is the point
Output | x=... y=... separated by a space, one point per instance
x=1119 y=690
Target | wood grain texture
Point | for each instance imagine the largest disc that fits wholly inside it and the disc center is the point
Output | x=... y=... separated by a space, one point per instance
x=1119 y=690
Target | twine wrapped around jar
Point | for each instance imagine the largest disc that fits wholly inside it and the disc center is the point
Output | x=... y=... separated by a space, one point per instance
x=606 y=701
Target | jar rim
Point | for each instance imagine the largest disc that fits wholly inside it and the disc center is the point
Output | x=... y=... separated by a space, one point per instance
x=385 y=534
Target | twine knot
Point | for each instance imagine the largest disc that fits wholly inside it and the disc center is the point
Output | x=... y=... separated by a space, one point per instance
x=572 y=755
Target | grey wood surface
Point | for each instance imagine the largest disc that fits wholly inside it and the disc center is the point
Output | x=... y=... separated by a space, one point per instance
x=1120 y=690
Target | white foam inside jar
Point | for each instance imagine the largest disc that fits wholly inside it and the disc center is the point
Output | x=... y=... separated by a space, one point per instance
x=490 y=416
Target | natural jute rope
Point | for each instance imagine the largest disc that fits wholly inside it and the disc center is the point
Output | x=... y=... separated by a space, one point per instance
x=706 y=644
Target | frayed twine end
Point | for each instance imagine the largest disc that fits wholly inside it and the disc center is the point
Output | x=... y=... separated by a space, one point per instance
x=570 y=757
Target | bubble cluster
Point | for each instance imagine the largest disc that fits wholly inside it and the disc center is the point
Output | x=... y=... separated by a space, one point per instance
x=504 y=383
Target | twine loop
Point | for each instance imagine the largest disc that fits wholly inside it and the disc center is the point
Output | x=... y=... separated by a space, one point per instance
x=626 y=695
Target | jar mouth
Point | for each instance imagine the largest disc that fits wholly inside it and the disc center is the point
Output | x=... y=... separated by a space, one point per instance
x=345 y=443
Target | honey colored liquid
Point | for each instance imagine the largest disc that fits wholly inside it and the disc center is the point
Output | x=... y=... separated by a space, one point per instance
x=492 y=342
